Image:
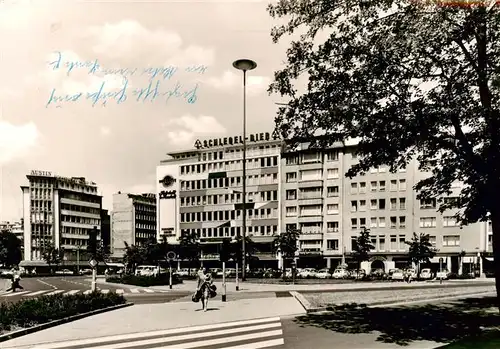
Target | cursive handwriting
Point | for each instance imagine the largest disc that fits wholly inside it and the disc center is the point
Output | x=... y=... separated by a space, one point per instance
x=154 y=91
x=93 y=67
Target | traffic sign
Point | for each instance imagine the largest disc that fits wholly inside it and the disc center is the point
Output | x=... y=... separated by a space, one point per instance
x=171 y=255
x=93 y=263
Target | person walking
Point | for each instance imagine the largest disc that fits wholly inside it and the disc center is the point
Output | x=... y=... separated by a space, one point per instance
x=16 y=278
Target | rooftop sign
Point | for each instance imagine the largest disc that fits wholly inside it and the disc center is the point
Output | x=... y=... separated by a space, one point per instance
x=41 y=173
x=218 y=142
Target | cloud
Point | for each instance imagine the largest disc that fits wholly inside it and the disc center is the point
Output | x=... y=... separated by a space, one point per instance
x=16 y=141
x=105 y=131
x=185 y=129
x=229 y=81
x=129 y=39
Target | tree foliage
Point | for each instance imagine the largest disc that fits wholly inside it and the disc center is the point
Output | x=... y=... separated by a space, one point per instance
x=420 y=249
x=10 y=249
x=52 y=255
x=133 y=257
x=362 y=247
x=286 y=243
x=189 y=247
x=237 y=248
x=409 y=80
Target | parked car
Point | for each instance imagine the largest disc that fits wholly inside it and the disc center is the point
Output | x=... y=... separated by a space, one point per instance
x=397 y=275
x=323 y=274
x=426 y=274
x=377 y=274
x=65 y=272
x=182 y=272
x=443 y=274
x=147 y=270
x=340 y=273
x=412 y=272
x=358 y=274
x=307 y=272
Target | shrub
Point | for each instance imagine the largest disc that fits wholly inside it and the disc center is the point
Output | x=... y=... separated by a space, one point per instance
x=40 y=310
x=145 y=281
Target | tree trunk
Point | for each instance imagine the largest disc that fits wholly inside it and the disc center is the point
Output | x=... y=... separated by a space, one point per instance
x=495 y=223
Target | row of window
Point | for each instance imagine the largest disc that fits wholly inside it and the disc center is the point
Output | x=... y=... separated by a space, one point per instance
x=263 y=230
x=312 y=175
x=80 y=220
x=262 y=162
x=42 y=217
x=145 y=226
x=141 y=208
x=75 y=230
x=395 y=185
x=229 y=182
x=41 y=229
x=380 y=204
x=291 y=194
x=225 y=199
x=312 y=157
x=82 y=197
x=41 y=205
x=213 y=216
x=78 y=208
x=379 y=222
x=145 y=217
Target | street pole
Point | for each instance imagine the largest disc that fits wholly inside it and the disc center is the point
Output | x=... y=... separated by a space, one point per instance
x=244 y=65
x=78 y=260
x=94 y=279
x=223 y=281
x=237 y=281
x=170 y=274
x=244 y=225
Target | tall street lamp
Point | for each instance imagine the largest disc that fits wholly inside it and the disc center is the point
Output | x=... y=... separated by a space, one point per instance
x=244 y=65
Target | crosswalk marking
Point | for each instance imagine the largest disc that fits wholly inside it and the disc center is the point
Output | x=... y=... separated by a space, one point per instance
x=207 y=342
x=14 y=293
x=259 y=345
x=189 y=337
x=131 y=292
x=35 y=293
x=55 y=292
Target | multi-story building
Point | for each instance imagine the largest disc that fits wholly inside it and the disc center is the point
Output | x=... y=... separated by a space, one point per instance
x=200 y=191
x=106 y=230
x=15 y=228
x=331 y=209
x=133 y=221
x=58 y=211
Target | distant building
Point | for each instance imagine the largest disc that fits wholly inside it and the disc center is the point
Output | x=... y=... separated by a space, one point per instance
x=14 y=227
x=200 y=191
x=59 y=211
x=133 y=221
x=106 y=230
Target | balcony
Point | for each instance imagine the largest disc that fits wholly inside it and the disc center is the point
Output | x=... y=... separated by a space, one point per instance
x=310 y=201
x=310 y=183
x=311 y=218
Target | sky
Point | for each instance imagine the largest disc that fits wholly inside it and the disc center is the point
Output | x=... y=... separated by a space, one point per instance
x=119 y=145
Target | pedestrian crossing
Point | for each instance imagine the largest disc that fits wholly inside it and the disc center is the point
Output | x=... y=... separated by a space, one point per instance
x=133 y=291
x=246 y=334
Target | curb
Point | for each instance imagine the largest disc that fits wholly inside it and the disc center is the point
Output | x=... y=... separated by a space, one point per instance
x=302 y=300
x=54 y=323
x=406 y=302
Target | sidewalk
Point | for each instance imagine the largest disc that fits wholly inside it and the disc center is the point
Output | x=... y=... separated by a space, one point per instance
x=248 y=286
x=151 y=317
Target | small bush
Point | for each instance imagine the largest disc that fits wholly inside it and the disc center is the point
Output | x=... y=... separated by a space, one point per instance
x=31 y=312
x=145 y=281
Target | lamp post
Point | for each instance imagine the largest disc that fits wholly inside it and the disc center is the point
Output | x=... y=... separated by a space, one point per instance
x=244 y=65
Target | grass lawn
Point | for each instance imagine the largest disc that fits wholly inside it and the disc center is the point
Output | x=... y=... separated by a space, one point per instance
x=487 y=341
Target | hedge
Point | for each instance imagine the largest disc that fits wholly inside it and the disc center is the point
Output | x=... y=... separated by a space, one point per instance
x=145 y=281
x=32 y=312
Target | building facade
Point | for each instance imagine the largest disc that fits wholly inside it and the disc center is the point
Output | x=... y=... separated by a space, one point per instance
x=330 y=210
x=133 y=221
x=60 y=212
x=106 y=230
x=200 y=191
x=15 y=228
